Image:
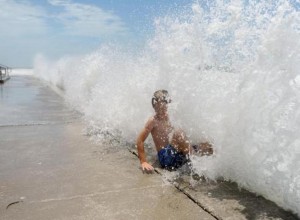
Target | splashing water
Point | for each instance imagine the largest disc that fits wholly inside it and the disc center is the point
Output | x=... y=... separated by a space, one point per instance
x=232 y=70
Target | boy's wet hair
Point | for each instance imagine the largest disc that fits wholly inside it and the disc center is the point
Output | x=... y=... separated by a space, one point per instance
x=161 y=96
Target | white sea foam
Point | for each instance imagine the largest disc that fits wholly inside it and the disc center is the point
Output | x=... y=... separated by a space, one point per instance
x=233 y=73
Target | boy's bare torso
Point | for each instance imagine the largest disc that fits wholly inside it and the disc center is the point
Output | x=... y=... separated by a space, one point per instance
x=161 y=131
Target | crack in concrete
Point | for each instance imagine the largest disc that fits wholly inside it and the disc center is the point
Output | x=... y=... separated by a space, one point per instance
x=196 y=202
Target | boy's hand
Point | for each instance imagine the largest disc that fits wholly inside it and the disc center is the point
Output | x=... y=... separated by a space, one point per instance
x=206 y=149
x=147 y=167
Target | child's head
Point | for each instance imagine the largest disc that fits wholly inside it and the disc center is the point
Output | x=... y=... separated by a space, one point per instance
x=160 y=99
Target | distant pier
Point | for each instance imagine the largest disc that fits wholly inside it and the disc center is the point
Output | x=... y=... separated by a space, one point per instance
x=4 y=73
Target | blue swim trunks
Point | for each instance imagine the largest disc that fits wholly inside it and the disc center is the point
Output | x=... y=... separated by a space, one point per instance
x=170 y=158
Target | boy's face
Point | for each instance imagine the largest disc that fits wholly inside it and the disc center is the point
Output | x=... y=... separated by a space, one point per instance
x=161 y=107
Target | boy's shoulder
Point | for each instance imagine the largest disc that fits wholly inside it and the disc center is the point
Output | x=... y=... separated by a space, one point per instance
x=151 y=123
x=152 y=119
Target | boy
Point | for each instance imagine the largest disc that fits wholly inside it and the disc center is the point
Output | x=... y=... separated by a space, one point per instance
x=172 y=145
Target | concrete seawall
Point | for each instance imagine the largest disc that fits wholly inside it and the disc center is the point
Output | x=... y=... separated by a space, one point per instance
x=49 y=169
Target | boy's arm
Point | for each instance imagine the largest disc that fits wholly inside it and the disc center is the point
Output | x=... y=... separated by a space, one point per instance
x=140 y=145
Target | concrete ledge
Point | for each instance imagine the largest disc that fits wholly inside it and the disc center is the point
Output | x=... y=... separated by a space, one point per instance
x=221 y=199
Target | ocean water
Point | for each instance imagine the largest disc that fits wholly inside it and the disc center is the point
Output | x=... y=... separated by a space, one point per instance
x=232 y=69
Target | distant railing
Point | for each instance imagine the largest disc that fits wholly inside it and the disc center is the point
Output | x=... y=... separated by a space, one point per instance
x=4 y=73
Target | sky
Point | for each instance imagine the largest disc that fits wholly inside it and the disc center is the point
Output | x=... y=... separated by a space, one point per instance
x=56 y=28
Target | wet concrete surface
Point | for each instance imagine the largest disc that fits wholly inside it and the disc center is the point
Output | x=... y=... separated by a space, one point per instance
x=49 y=168
x=225 y=200
x=222 y=199
x=25 y=100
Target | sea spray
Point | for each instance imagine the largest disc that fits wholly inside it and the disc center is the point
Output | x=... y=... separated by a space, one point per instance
x=232 y=70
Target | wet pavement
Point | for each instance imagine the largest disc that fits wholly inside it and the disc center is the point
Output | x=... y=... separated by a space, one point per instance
x=221 y=199
x=50 y=169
